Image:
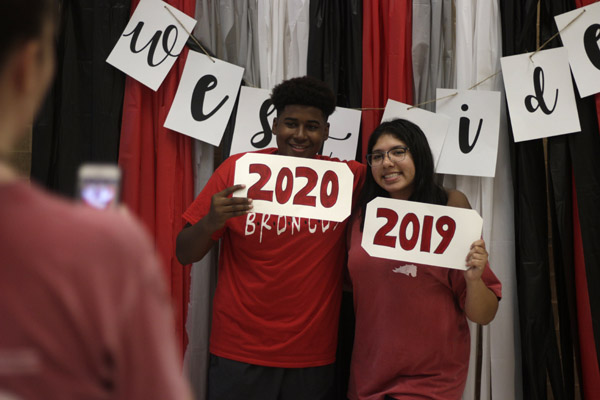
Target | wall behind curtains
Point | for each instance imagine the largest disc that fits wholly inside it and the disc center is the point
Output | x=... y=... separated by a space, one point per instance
x=157 y=171
x=81 y=118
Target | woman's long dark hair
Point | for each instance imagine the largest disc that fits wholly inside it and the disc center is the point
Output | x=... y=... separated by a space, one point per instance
x=426 y=190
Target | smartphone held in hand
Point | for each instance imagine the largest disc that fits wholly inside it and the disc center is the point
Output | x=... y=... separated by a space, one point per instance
x=99 y=185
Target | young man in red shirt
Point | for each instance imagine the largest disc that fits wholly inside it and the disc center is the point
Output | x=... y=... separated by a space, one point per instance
x=276 y=306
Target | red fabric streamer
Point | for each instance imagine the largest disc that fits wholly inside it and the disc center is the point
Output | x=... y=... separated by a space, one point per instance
x=583 y=3
x=589 y=363
x=157 y=171
x=387 y=59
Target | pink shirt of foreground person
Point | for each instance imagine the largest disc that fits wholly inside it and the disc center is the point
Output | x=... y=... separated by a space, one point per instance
x=84 y=309
x=84 y=312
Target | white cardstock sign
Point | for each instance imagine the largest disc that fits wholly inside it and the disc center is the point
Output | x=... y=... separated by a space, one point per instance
x=344 y=125
x=254 y=121
x=151 y=42
x=295 y=186
x=540 y=95
x=471 y=145
x=421 y=233
x=581 y=42
x=205 y=98
x=435 y=126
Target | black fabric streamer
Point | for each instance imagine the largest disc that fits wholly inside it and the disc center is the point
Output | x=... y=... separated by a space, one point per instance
x=335 y=48
x=335 y=56
x=81 y=119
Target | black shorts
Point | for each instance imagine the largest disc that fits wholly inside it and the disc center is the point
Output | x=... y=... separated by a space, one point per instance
x=232 y=380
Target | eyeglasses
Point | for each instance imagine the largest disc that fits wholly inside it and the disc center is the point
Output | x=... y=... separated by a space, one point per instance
x=396 y=154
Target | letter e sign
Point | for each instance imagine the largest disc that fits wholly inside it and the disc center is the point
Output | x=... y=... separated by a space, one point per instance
x=582 y=41
x=204 y=98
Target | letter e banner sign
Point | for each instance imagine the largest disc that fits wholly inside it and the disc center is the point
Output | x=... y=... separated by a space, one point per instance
x=420 y=233
x=581 y=39
x=295 y=186
x=540 y=94
x=205 y=98
x=151 y=42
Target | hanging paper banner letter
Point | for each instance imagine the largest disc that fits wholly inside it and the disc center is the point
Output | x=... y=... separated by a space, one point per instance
x=435 y=126
x=295 y=186
x=581 y=41
x=151 y=42
x=344 y=125
x=205 y=98
x=540 y=95
x=255 y=118
x=253 y=122
x=471 y=145
x=421 y=233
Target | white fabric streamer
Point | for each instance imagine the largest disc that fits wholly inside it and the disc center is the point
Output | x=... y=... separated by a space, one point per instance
x=283 y=40
x=478 y=52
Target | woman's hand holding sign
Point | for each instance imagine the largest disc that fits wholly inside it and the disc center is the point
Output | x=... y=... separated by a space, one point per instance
x=477 y=259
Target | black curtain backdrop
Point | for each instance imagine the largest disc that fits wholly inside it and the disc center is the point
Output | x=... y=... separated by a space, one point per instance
x=538 y=338
x=335 y=56
x=81 y=119
x=335 y=47
x=572 y=165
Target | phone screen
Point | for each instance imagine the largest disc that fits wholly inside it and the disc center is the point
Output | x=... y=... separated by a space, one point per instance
x=98 y=185
x=99 y=194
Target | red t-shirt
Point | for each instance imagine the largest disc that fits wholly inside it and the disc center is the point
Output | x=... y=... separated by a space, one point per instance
x=280 y=278
x=412 y=339
x=84 y=311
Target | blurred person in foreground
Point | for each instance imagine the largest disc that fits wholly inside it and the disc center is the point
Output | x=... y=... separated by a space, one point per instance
x=84 y=312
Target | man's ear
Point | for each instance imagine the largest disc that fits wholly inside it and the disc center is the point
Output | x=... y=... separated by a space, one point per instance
x=274 y=127
x=326 y=131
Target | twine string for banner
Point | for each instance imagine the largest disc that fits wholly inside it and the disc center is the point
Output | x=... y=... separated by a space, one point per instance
x=483 y=80
x=555 y=35
x=454 y=94
x=189 y=34
x=432 y=101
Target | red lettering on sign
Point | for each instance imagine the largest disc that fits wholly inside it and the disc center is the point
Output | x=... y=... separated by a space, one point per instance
x=283 y=195
x=302 y=197
x=446 y=227
x=328 y=200
x=381 y=237
x=426 y=237
x=406 y=243
x=256 y=191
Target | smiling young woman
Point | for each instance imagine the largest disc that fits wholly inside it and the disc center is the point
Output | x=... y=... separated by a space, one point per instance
x=411 y=337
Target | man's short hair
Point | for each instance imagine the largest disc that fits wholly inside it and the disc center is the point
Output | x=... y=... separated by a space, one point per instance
x=305 y=91
x=23 y=20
